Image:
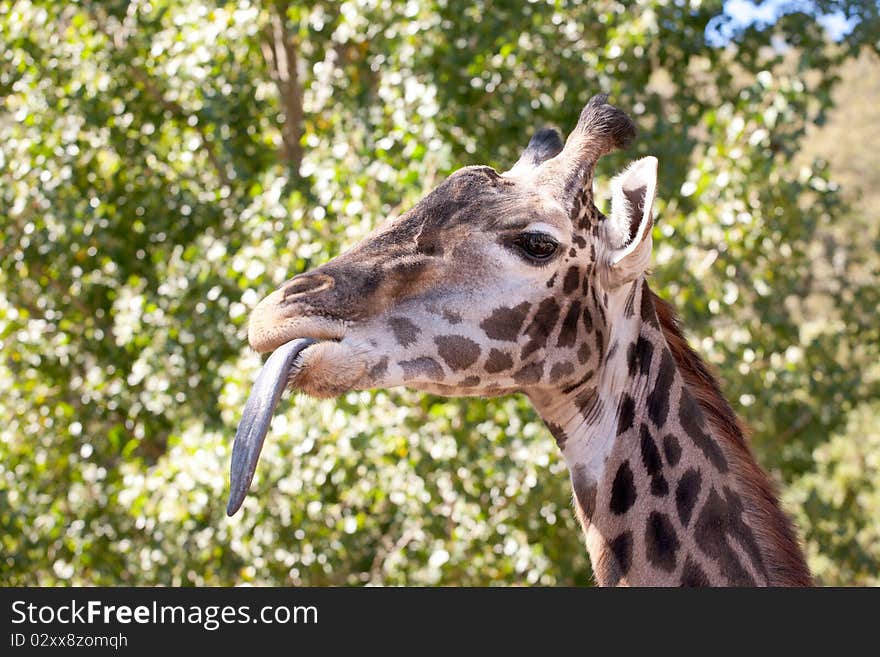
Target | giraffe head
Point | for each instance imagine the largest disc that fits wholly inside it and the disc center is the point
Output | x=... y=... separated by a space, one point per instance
x=493 y=283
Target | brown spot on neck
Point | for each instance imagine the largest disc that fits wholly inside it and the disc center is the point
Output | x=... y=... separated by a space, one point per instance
x=774 y=532
x=504 y=323
x=405 y=332
x=457 y=351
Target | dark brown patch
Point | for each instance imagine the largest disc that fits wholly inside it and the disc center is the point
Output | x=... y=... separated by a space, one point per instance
x=422 y=367
x=600 y=342
x=584 y=353
x=598 y=306
x=626 y=411
x=711 y=530
x=644 y=350
x=590 y=405
x=661 y=543
x=560 y=371
x=692 y=575
x=504 y=323
x=568 y=332
x=741 y=531
x=470 y=382
x=577 y=384
x=671 y=449
x=692 y=421
x=622 y=548
x=452 y=317
x=584 y=490
x=458 y=351
x=379 y=368
x=405 y=332
x=658 y=400
x=529 y=374
x=449 y=315
x=629 y=307
x=427 y=246
x=623 y=490
x=686 y=492
x=579 y=241
x=552 y=281
x=572 y=280
x=587 y=318
x=606 y=569
x=659 y=486
x=648 y=313
x=612 y=351
x=498 y=361
x=631 y=360
x=652 y=462
x=541 y=326
x=558 y=433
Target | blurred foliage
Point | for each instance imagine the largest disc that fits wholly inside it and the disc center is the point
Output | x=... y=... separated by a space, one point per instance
x=165 y=164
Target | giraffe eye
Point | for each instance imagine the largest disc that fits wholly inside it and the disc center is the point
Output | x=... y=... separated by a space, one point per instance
x=537 y=246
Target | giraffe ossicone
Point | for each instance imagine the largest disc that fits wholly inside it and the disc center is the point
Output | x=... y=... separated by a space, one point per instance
x=514 y=282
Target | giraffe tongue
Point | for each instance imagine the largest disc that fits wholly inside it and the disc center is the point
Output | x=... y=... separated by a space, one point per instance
x=257 y=415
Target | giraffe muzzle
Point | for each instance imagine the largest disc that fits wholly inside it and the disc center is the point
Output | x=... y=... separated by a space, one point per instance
x=257 y=415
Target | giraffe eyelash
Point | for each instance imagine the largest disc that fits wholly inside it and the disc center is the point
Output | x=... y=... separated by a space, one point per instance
x=537 y=248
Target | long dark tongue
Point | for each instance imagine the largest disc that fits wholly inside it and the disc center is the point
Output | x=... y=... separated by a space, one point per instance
x=256 y=418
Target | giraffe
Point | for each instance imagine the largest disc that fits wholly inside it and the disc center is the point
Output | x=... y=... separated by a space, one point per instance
x=514 y=282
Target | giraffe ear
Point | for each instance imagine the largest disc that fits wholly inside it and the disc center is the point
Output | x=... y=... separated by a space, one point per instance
x=544 y=145
x=628 y=231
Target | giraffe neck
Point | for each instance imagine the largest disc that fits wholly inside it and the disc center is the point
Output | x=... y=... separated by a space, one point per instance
x=657 y=490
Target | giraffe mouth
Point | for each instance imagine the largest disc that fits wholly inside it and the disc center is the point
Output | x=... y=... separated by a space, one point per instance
x=282 y=365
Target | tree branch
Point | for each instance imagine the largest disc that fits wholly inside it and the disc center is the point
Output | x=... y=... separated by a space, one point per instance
x=279 y=51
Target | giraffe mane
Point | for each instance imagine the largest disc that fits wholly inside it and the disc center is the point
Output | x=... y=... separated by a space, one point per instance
x=773 y=529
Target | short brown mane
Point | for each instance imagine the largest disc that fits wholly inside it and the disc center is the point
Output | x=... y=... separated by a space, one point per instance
x=773 y=530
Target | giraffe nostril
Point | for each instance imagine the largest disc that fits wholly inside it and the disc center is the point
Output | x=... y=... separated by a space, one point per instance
x=307 y=284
